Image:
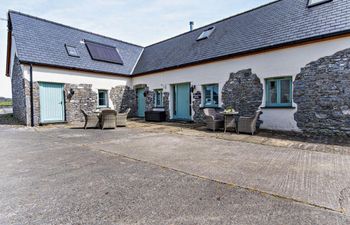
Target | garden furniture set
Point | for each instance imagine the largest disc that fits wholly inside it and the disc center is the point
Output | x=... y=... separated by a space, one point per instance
x=107 y=118
x=218 y=119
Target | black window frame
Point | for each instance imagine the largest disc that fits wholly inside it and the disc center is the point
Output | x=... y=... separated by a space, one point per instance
x=75 y=48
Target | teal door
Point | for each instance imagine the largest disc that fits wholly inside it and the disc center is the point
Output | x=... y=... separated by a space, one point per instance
x=182 y=108
x=51 y=103
x=140 y=102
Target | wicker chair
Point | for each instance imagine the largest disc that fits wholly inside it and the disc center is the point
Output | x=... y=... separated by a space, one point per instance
x=248 y=124
x=213 y=119
x=108 y=119
x=122 y=118
x=91 y=121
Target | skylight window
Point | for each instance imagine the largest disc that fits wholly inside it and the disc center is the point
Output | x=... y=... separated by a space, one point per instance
x=104 y=53
x=206 y=33
x=317 y=2
x=72 y=51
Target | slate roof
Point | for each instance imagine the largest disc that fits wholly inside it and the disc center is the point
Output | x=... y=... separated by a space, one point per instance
x=275 y=24
x=43 y=42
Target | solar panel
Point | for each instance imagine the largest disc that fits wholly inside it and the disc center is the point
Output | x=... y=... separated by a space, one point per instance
x=104 y=53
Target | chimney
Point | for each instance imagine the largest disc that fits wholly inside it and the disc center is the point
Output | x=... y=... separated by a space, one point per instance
x=191 y=25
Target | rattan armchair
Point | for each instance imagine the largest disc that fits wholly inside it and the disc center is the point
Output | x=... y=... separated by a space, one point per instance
x=91 y=121
x=248 y=124
x=122 y=118
x=108 y=119
x=213 y=119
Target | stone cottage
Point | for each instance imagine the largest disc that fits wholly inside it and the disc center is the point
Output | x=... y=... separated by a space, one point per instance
x=290 y=58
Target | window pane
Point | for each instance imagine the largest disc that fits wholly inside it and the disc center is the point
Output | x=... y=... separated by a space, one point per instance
x=102 y=98
x=207 y=95
x=285 y=91
x=215 y=95
x=211 y=96
x=273 y=92
x=158 y=98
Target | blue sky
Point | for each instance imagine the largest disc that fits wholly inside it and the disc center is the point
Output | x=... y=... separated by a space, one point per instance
x=137 y=21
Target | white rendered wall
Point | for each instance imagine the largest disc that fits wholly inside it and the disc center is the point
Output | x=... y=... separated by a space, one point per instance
x=98 y=81
x=283 y=62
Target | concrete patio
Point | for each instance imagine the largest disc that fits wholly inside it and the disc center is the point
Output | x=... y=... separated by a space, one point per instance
x=156 y=174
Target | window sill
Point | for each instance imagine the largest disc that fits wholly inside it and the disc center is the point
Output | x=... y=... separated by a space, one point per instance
x=278 y=107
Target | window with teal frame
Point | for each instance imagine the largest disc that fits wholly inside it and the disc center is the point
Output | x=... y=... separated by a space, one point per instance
x=279 y=92
x=158 y=98
x=211 y=96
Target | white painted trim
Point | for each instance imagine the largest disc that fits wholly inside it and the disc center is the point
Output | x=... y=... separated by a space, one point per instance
x=12 y=55
x=137 y=61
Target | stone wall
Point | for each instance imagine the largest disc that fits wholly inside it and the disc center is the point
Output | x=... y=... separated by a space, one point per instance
x=123 y=97
x=149 y=99
x=198 y=116
x=166 y=104
x=83 y=98
x=243 y=92
x=18 y=93
x=322 y=92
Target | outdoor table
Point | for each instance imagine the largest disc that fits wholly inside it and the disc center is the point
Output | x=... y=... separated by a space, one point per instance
x=231 y=120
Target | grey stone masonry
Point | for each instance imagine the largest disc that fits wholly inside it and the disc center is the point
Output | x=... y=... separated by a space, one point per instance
x=18 y=93
x=83 y=98
x=243 y=92
x=198 y=116
x=322 y=93
x=124 y=97
x=166 y=104
x=149 y=99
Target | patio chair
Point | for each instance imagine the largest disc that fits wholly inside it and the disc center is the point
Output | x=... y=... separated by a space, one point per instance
x=248 y=124
x=108 y=119
x=122 y=118
x=213 y=119
x=91 y=121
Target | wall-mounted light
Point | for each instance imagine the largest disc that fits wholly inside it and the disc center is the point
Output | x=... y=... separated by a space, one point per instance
x=193 y=88
x=70 y=93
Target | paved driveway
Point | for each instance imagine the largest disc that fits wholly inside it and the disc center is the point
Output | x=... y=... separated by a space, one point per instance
x=127 y=176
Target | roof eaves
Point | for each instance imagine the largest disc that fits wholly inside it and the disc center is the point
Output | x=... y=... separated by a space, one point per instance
x=252 y=51
x=72 y=68
x=9 y=45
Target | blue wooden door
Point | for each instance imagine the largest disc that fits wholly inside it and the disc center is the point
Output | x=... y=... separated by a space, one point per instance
x=182 y=108
x=51 y=103
x=140 y=102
